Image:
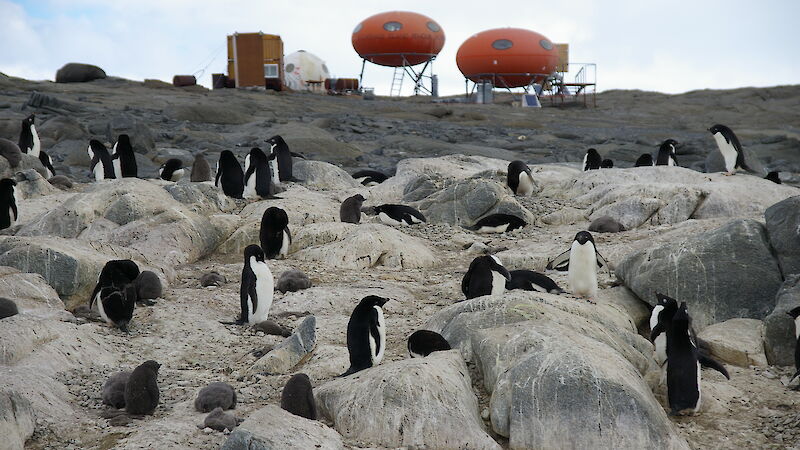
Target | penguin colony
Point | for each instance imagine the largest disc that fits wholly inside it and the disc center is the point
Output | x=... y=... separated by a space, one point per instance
x=121 y=285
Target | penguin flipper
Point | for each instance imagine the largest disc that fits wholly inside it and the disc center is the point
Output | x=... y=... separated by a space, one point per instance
x=706 y=360
x=560 y=262
x=658 y=329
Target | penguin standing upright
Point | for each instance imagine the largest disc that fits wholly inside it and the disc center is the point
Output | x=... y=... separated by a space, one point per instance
x=101 y=164
x=274 y=234
x=230 y=176
x=666 y=153
x=660 y=320
x=581 y=261
x=29 y=138
x=141 y=390
x=8 y=203
x=201 y=171
x=257 y=287
x=520 y=179
x=258 y=180
x=366 y=334
x=350 y=210
x=592 y=160
x=646 y=160
x=282 y=159
x=683 y=367
x=485 y=276
x=44 y=158
x=124 y=158
x=729 y=146
x=795 y=315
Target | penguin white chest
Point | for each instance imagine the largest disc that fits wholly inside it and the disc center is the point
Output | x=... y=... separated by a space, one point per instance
x=273 y=171
x=498 y=229
x=388 y=220
x=218 y=179
x=285 y=241
x=525 y=187
x=797 y=327
x=265 y=285
x=101 y=309
x=728 y=152
x=582 y=273
x=377 y=347
x=11 y=216
x=250 y=186
x=498 y=283
x=583 y=165
x=661 y=340
x=177 y=175
x=99 y=175
x=37 y=146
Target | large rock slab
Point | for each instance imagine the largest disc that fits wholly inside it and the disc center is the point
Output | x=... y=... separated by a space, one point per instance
x=722 y=274
x=779 y=328
x=361 y=246
x=783 y=227
x=79 y=73
x=17 y=420
x=322 y=175
x=273 y=428
x=420 y=402
x=292 y=351
x=737 y=341
x=464 y=202
x=29 y=291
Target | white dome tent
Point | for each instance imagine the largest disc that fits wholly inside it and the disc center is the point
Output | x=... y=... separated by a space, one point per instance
x=301 y=67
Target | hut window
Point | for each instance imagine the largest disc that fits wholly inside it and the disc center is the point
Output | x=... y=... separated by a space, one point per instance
x=502 y=44
x=392 y=26
x=547 y=45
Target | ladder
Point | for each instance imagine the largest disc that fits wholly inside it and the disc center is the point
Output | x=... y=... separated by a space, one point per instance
x=397 y=82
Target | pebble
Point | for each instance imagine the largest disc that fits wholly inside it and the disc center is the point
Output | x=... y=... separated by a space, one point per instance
x=485 y=414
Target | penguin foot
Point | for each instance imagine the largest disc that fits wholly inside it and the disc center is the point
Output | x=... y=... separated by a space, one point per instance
x=146 y=302
x=728 y=174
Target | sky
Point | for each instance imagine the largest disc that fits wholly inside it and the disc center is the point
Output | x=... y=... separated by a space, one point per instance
x=666 y=46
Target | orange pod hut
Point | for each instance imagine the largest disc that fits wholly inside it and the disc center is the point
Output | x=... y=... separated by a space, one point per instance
x=508 y=57
x=398 y=38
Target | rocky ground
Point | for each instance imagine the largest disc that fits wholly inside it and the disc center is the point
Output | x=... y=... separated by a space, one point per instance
x=478 y=396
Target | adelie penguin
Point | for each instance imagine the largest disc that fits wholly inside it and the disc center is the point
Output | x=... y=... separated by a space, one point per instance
x=101 y=165
x=274 y=234
x=115 y=294
x=230 y=176
x=592 y=160
x=44 y=158
x=646 y=160
x=581 y=261
x=369 y=178
x=123 y=158
x=258 y=180
x=201 y=171
x=520 y=179
x=116 y=273
x=172 y=170
x=497 y=223
x=350 y=210
x=773 y=176
x=298 y=397
x=141 y=390
x=528 y=280
x=607 y=164
x=485 y=276
x=366 y=334
x=257 y=287
x=666 y=153
x=422 y=343
x=8 y=203
x=29 y=138
x=683 y=367
x=282 y=160
x=398 y=215
x=731 y=149
x=795 y=315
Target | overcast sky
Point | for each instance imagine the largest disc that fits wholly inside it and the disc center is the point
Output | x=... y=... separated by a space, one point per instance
x=667 y=46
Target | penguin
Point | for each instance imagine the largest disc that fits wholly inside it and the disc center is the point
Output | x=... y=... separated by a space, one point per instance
x=219 y=420
x=422 y=343
x=485 y=276
x=212 y=278
x=49 y=171
x=646 y=160
x=201 y=171
x=124 y=158
x=731 y=149
x=215 y=395
x=101 y=164
x=683 y=367
x=369 y=178
x=116 y=305
x=172 y=170
x=773 y=176
x=666 y=153
x=795 y=315
x=148 y=287
x=116 y=273
x=520 y=179
x=9 y=214
x=230 y=176
x=497 y=223
x=141 y=391
x=11 y=152
x=29 y=138
x=7 y=308
x=661 y=320
x=607 y=164
x=275 y=236
x=272 y=328
x=297 y=397
x=283 y=158
x=258 y=180
x=113 y=392
x=592 y=160
x=581 y=261
x=528 y=280
x=366 y=334
x=398 y=215
x=293 y=280
x=606 y=224
x=257 y=287
x=350 y=211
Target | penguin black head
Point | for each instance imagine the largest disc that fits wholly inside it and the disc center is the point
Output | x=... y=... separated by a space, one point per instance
x=669 y=304
x=670 y=144
x=253 y=251
x=373 y=300
x=276 y=218
x=592 y=152
x=7 y=183
x=681 y=316
x=719 y=129
x=583 y=237
x=152 y=365
x=256 y=154
x=28 y=121
x=607 y=164
x=359 y=197
x=123 y=141
x=276 y=140
x=794 y=313
x=96 y=146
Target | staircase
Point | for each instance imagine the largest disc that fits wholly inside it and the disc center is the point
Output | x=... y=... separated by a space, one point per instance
x=397 y=82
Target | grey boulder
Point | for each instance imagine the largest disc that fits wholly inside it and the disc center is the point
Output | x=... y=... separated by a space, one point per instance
x=779 y=328
x=273 y=428
x=783 y=227
x=292 y=351
x=17 y=419
x=79 y=73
